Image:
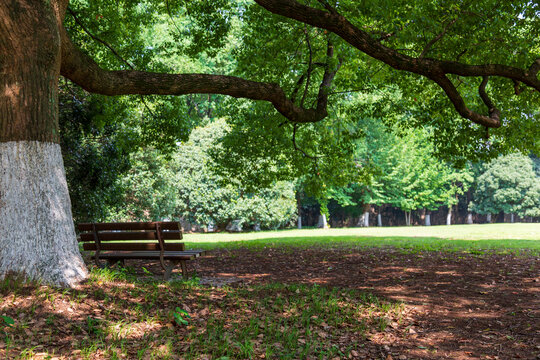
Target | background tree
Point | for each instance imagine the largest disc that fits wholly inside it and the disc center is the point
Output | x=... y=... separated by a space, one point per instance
x=508 y=184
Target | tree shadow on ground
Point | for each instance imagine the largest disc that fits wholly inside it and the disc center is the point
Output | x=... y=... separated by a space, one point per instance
x=454 y=305
x=465 y=305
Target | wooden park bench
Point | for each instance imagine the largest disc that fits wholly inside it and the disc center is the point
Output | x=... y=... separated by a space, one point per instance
x=116 y=242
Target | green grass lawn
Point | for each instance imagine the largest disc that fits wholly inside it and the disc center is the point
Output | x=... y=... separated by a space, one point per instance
x=456 y=237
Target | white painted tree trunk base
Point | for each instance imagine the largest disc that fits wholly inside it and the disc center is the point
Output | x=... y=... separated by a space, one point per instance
x=322 y=224
x=37 y=236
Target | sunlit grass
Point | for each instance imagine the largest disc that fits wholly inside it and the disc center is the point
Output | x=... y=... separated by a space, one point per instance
x=525 y=231
x=125 y=317
x=499 y=237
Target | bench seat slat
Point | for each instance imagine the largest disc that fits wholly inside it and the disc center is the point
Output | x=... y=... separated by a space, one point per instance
x=169 y=255
x=131 y=235
x=135 y=246
x=165 y=225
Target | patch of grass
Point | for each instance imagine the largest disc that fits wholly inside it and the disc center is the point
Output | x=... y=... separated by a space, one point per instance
x=131 y=318
x=476 y=239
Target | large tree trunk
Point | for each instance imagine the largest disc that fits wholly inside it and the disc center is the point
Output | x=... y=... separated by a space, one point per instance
x=38 y=236
x=449 y=216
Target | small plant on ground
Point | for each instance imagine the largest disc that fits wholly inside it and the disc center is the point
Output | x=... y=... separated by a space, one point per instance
x=5 y=323
x=180 y=316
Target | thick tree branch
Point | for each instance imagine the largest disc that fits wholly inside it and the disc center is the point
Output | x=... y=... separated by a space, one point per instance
x=328 y=77
x=112 y=49
x=494 y=113
x=84 y=71
x=433 y=69
x=457 y=100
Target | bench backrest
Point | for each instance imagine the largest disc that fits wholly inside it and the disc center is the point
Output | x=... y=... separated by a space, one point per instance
x=131 y=236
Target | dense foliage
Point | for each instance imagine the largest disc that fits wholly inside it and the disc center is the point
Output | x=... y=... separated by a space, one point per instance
x=508 y=184
x=183 y=185
x=389 y=139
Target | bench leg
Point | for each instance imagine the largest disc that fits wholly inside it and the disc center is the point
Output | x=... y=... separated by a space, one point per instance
x=111 y=262
x=168 y=270
x=183 y=264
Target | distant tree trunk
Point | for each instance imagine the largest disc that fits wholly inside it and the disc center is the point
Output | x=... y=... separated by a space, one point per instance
x=36 y=225
x=449 y=216
x=408 y=218
x=322 y=222
x=379 y=217
x=299 y=207
x=488 y=218
x=512 y=218
x=469 y=218
x=361 y=220
x=367 y=208
x=366 y=219
x=428 y=218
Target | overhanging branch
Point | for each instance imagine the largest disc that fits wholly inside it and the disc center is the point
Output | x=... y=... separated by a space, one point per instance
x=433 y=69
x=84 y=71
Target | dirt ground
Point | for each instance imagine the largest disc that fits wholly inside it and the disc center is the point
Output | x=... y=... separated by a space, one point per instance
x=463 y=306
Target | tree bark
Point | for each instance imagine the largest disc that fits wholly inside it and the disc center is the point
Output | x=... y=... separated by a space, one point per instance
x=488 y=218
x=511 y=218
x=379 y=219
x=449 y=216
x=363 y=221
x=38 y=237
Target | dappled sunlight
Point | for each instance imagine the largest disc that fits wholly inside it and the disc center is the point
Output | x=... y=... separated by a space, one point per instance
x=371 y=303
x=453 y=299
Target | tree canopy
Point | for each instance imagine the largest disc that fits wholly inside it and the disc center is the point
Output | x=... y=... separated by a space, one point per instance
x=302 y=56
